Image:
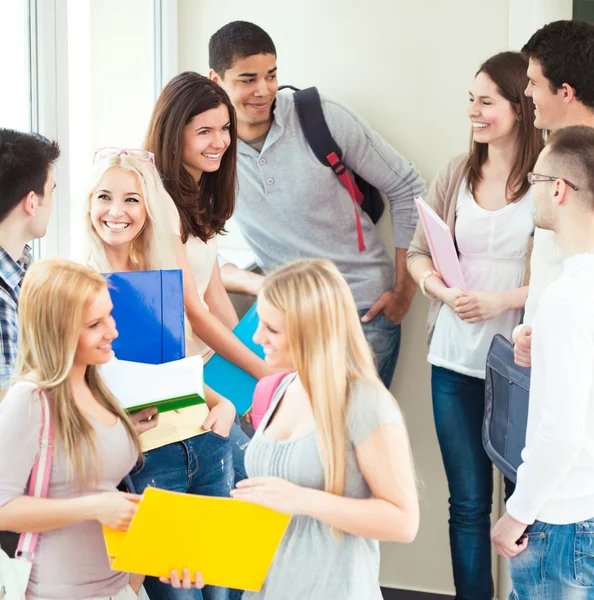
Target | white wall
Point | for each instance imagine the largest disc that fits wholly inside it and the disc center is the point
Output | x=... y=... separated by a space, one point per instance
x=406 y=66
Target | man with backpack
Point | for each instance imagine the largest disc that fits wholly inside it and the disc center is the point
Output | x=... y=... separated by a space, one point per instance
x=297 y=199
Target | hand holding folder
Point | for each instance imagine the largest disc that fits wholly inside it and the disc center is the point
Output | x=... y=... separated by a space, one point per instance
x=213 y=536
x=227 y=378
x=441 y=244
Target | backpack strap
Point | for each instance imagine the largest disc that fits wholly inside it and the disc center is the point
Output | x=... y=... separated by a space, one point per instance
x=40 y=476
x=323 y=145
x=265 y=389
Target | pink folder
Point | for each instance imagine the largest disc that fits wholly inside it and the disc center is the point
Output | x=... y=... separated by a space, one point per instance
x=441 y=244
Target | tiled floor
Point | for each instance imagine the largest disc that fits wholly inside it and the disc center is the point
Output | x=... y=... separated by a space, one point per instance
x=392 y=594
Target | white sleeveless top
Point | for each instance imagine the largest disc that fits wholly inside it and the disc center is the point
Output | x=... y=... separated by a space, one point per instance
x=492 y=247
x=202 y=257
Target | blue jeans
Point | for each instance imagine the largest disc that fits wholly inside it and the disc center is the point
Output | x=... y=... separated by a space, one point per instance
x=558 y=563
x=239 y=441
x=201 y=465
x=458 y=407
x=384 y=338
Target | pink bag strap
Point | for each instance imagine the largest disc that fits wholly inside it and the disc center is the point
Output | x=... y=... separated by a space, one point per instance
x=266 y=387
x=40 y=476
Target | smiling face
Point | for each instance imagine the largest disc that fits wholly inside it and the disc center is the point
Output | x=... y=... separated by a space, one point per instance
x=494 y=120
x=272 y=337
x=118 y=209
x=251 y=85
x=550 y=109
x=204 y=141
x=98 y=330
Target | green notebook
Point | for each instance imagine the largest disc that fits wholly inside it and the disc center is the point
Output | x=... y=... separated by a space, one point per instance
x=168 y=386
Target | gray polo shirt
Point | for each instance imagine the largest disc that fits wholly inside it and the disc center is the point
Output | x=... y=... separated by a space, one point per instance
x=291 y=206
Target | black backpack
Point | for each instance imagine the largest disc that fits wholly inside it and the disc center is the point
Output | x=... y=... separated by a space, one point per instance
x=328 y=152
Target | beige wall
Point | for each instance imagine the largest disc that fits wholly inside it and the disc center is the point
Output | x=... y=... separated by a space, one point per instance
x=406 y=66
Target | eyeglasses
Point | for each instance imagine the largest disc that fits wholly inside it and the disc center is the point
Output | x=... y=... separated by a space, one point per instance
x=536 y=178
x=133 y=152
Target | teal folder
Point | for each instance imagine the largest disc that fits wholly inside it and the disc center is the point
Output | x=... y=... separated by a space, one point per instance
x=228 y=379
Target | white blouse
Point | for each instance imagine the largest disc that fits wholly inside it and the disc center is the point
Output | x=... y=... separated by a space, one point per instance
x=492 y=247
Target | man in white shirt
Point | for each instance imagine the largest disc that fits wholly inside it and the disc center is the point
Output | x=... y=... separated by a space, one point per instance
x=548 y=530
x=561 y=74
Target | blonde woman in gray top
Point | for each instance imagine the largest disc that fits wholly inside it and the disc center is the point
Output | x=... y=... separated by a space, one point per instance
x=332 y=449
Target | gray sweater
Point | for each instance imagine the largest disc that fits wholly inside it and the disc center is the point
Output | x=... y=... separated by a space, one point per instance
x=291 y=206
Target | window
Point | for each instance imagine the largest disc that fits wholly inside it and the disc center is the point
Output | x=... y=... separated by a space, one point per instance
x=15 y=72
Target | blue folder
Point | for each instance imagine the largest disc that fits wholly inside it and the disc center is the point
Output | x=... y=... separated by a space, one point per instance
x=148 y=307
x=228 y=379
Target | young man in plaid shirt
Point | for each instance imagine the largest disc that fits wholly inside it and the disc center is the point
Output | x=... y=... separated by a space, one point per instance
x=26 y=188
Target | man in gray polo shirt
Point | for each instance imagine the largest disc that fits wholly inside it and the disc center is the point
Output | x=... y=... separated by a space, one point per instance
x=291 y=206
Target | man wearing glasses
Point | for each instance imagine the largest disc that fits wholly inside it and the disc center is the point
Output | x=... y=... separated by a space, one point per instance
x=548 y=530
x=560 y=71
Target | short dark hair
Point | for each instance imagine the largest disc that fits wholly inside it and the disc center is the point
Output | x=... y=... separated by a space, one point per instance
x=571 y=150
x=565 y=52
x=25 y=160
x=204 y=206
x=237 y=40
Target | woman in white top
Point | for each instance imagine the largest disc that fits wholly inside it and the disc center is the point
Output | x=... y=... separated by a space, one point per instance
x=484 y=197
x=65 y=332
x=193 y=136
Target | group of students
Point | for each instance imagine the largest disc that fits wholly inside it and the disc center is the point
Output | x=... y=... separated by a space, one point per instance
x=332 y=449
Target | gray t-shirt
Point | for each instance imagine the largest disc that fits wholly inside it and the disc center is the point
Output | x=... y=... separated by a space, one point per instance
x=70 y=562
x=310 y=563
x=290 y=206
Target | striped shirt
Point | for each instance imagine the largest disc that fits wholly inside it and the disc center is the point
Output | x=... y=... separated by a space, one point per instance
x=11 y=277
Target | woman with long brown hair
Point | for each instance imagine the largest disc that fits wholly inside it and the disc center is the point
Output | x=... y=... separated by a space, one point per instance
x=193 y=137
x=484 y=197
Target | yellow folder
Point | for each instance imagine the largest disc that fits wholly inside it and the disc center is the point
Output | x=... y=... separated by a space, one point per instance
x=230 y=542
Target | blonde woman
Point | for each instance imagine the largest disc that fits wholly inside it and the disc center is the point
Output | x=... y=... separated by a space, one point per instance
x=332 y=450
x=65 y=331
x=130 y=225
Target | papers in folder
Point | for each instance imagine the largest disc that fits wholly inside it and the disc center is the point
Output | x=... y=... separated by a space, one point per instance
x=441 y=244
x=170 y=386
x=230 y=542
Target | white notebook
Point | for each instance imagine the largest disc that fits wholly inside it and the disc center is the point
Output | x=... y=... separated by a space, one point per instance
x=169 y=386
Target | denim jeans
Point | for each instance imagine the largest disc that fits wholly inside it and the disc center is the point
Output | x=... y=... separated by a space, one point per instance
x=558 y=563
x=239 y=441
x=384 y=338
x=201 y=465
x=458 y=408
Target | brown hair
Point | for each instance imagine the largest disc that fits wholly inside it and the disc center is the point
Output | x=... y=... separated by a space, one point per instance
x=571 y=151
x=204 y=206
x=508 y=70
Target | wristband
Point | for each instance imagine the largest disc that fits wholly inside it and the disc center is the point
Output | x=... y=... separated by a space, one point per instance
x=422 y=281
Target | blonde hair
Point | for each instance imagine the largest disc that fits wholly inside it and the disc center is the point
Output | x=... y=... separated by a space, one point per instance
x=153 y=246
x=52 y=302
x=328 y=348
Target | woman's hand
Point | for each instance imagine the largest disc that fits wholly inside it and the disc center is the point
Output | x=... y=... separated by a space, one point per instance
x=185 y=582
x=115 y=509
x=449 y=296
x=221 y=417
x=273 y=492
x=480 y=306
